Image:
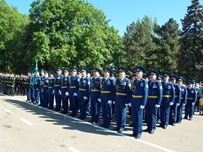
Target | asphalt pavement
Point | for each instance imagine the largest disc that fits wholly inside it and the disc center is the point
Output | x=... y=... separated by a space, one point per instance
x=25 y=127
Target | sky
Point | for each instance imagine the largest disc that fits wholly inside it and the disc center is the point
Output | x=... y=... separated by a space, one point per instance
x=123 y=12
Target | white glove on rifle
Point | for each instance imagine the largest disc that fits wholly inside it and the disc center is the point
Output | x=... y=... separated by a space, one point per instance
x=129 y=104
x=99 y=100
x=59 y=92
x=126 y=104
x=109 y=102
x=171 y=103
x=53 y=92
x=75 y=94
x=67 y=94
x=177 y=104
x=141 y=107
x=85 y=98
x=157 y=106
x=193 y=103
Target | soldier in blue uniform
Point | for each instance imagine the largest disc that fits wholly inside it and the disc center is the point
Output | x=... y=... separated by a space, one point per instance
x=83 y=92
x=113 y=76
x=138 y=101
x=167 y=100
x=94 y=94
x=57 y=89
x=45 y=89
x=27 y=85
x=41 y=88
x=37 y=88
x=160 y=79
x=106 y=97
x=122 y=99
x=191 y=99
x=183 y=99
x=174 y=107
x=73 y=91
x=153 y=101
x=32 y=96
x=64 y=90
x=51 y=90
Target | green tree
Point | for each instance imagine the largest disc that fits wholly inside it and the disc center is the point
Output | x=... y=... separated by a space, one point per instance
x=190 y=56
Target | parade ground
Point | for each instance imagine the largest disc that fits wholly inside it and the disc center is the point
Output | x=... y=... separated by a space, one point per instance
x=25 y=127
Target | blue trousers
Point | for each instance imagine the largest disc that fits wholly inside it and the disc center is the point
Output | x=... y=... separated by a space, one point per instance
x=179 y=113
x=173 y=113
x=120 y=110
x=64 y=100
x=165 y=113
x=137 y=116
x=41 y=96
x=151 y=117
x=189 y=108
x=37 y=96
x=95 y=109
x=57 y=99
x=74 y=104
x=82 y=106
x=106 y=112
x=28 y=92
x=51 y=99
x=45 y=96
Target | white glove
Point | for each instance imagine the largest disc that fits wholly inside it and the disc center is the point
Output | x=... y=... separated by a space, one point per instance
x=141 y=107
x=109 y=102
x=157 y=106
x=67 y=94
x=126 y=104
x=75 y=94
x=59 y=92
x=53 y=92
x=99 y=100
x=177 y=104
x=114 y=102
x=183 y=104
x=42 y=90
x=37 y=89
x=171 y=103
x=193 y=103
x=130 y=104
x=85 y=98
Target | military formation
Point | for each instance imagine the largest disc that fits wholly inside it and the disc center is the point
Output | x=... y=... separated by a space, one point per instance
x=148 y=96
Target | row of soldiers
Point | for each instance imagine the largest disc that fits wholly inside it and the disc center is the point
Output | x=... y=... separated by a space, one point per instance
x=150 y=97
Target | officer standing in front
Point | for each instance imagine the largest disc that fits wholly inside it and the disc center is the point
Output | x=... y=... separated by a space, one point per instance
x=45 y=88
x=122 y=99
x=41 y=87
x=106 y=97
x=51 y=90
x=57 y=89
x=139 y=94
x=153 y=101
x=167 y=100
x=37 y=88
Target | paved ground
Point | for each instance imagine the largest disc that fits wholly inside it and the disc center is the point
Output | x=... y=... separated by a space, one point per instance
x=28 y=128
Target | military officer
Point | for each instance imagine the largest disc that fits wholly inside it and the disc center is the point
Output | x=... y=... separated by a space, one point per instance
x=191 y=99
x=167 y=100
x=37 y=88
x=45 y=89
x=27 y=85
x=83 y=92
x=160 y=79
x=113 y=76
x=51 y=90
x=57 y=89
x=183 y=99
x=64 y=89
x=73 y=91
x=122 y=99
x=106 y=97
x=41 y=87
x=174 y=107
x=139 y=94
x=153 y=101
x=94 y=94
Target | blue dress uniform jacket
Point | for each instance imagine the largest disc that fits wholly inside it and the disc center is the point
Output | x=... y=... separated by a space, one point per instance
x=182 y=104
x=122 y=97
x=107 y=92
x=154 y=98
x=174 y=107
x=37 y=88
x=83 y=91
x=73 y=88
x=139 y=94
x=57 y=88
x=50 y=93
x=168 y=96
x=64 y=89
x=41 y=90
x=191 y=99
x=45 y=91
x=94 y=94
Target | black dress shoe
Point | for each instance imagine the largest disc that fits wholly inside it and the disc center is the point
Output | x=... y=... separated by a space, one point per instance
x=151 y=132
x=116 y=129
x=138 y=136
x=173 y=124
x=102 y=125
x=164 y=127
x=146 y=130
x=93 y=122
x=120 y=130
x=106 y=126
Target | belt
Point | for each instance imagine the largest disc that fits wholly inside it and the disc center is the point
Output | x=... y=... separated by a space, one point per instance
x=57 y=85
x=49 y=87
x=72 y=87
x=26 y=83
x=166 y=96
x=64 y=87
x=81 y=89
x=92 y=90
x=182 y=98
x=134 y=96
x=152 y=97
x=41 y=84
x=176 y=96
x=105 y=91
x=45 y=86
x=121 y=94
x=190 y=98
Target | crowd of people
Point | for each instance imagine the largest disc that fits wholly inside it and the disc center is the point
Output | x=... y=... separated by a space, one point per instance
x=152 y=97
